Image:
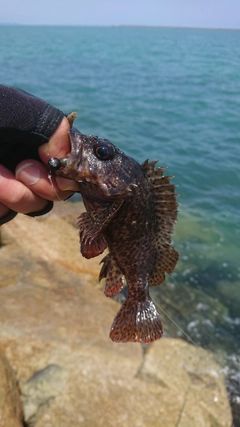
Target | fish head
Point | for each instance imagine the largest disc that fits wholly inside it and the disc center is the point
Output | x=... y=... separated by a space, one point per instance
x=99 y=166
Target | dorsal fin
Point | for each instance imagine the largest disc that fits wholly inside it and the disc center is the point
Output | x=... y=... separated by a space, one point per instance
x=166 y=215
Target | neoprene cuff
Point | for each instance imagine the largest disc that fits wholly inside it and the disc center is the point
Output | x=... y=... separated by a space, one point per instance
x=26 y=122
x=11 y=214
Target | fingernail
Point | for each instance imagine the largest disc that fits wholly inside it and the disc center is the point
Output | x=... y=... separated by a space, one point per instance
x=28 y=174
x=67 y=184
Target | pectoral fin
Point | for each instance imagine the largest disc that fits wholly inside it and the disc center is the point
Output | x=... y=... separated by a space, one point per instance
x=91 y=225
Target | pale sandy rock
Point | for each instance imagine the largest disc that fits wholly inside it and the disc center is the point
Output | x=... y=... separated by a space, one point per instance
x=177 y=392
x=53 y=239
x=194 y=378
x=54 y=326
x=11 y=414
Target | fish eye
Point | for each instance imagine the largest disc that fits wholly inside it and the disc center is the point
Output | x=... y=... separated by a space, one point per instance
x=104 y=151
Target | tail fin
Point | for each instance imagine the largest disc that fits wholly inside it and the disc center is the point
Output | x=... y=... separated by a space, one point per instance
x=137 y=321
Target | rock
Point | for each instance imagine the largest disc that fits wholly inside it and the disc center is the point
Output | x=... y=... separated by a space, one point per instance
x=195 y=378
x=53 y=240
x=40 y=389
x=11 y=414
x=177 y=385
x=54 y=327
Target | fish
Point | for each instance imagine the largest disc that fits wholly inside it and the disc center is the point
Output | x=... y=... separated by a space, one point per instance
x=131 y=209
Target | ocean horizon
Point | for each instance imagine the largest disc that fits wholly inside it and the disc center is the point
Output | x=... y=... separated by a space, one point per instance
x=121 y=25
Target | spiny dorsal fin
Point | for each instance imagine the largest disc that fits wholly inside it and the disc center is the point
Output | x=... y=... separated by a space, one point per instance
x=166 y=215
x=148 y=168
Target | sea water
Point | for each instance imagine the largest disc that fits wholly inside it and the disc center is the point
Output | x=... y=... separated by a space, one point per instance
x=171 y=95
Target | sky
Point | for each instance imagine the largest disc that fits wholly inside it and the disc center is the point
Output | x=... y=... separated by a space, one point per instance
x=176 y=13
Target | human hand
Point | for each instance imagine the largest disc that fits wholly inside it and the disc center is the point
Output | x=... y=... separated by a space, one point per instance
x=29 y=190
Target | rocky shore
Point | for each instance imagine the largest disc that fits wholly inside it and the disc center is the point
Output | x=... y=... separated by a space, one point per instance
x=58 y=367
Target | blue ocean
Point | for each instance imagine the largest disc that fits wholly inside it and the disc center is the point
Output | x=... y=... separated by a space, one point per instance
x=171 y=95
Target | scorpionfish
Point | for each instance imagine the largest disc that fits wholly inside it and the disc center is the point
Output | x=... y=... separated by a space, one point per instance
x=131 y=209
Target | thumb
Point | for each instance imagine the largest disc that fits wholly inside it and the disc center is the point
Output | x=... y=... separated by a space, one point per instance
x=58 y=145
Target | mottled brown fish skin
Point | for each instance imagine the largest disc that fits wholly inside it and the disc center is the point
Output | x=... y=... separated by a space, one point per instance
x=131 y=209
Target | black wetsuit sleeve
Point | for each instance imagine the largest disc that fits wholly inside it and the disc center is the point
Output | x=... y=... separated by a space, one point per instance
x=26 y=122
